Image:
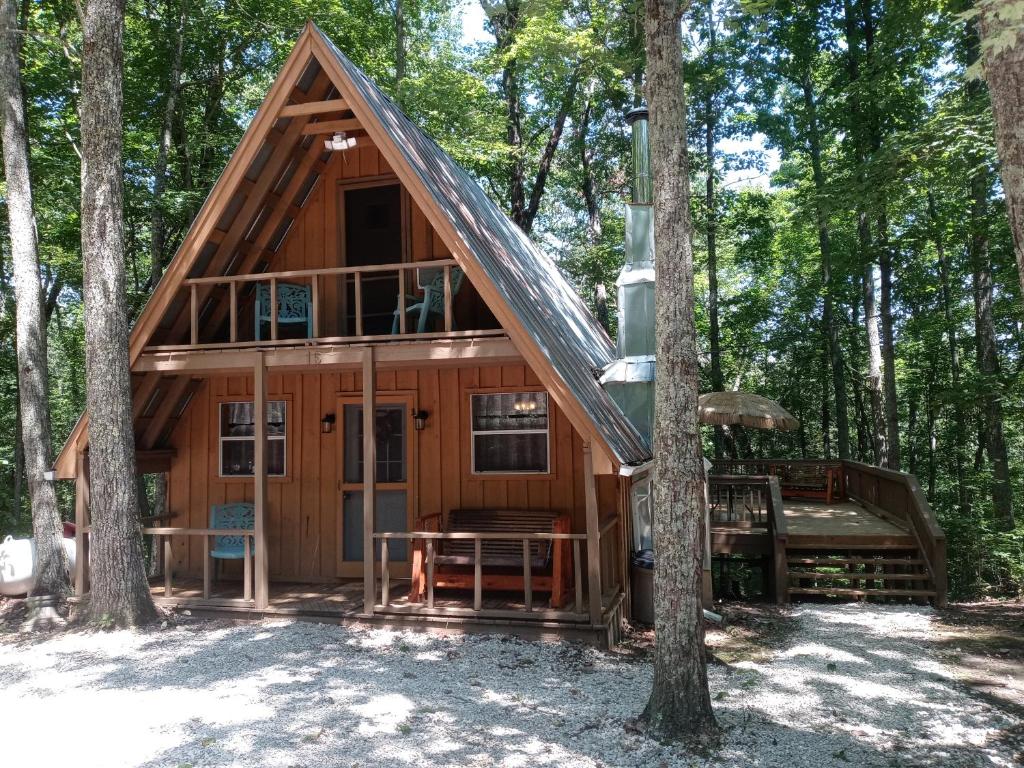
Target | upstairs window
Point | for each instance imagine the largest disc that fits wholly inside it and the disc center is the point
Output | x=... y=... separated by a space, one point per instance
x=238 y=439
x=510 y=433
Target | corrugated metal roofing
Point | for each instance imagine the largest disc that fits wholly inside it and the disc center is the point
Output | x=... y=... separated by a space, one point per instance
x=546 y=304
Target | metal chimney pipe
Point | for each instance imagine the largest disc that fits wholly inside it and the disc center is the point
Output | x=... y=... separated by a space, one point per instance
x=643 y=184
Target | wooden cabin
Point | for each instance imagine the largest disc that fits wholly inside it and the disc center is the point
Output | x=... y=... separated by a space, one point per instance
x=355 y=350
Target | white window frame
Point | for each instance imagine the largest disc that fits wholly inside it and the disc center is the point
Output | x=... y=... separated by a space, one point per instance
x=474 y=432
x=222 y=438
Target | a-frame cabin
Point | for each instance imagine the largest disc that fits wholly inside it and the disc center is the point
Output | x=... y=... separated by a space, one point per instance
x=409 y=307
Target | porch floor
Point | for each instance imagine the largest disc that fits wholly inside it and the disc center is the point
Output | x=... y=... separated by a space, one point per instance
x=342 y=599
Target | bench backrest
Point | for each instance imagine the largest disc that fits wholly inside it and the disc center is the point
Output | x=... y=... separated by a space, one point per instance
x=240 y=515
x=501 y=521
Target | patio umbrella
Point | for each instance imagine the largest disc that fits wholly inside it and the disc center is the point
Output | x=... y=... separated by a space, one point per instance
x=746 y=409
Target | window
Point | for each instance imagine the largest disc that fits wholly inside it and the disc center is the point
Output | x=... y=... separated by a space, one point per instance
x=238 y=439
x=510 y=432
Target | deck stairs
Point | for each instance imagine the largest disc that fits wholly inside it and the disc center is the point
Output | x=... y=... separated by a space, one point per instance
x=878 y=572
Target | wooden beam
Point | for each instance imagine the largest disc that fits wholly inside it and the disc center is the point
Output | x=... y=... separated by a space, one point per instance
x=163 y=412
x=81 y=523
x=369 y=476
x=314 y=108
x=260 y=481
x=593 y=536
x=144 y=393
x=331 y=126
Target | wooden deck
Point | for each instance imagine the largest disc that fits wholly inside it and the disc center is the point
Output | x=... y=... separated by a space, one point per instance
x=817 y=523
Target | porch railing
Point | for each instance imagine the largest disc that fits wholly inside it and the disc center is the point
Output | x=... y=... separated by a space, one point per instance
x=785 y=469
x=163 y=536
x=208 y=308
x=579 y=611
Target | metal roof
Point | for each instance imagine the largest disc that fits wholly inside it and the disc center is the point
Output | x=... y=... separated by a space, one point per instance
x=544 y=301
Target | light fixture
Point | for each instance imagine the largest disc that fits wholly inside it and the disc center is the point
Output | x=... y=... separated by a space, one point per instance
x=339 y=141
x=419 y=420
x=525 y=406
x=327 y=424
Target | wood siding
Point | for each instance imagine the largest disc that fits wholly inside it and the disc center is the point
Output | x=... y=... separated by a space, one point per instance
x=304 y=507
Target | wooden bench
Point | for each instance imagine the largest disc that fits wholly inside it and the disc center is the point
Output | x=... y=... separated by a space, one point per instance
x=501 y=559
x=811 y=481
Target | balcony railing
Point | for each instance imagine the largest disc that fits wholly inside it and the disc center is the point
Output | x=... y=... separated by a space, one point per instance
x=227 y=300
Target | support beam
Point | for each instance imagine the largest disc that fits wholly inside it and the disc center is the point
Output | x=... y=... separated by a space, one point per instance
x=164 y=412
x=81 y=523
x=144 y=393
x=369 y=476
x=314 y=108
x=260 y=480
x=593 y=536
x=331 y=126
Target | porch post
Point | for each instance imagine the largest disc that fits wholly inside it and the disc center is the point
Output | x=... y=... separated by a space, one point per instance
x=593 y=536
x=262 y=592
x=369 y=476
x=81 y=522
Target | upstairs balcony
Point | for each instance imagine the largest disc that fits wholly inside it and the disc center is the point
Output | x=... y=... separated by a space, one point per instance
x=368 y=304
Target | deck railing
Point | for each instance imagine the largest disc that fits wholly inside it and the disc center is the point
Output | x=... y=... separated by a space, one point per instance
x=164 y=535
x=795 y=470
x=897 y=497
x=208 y=308
x=753 y=501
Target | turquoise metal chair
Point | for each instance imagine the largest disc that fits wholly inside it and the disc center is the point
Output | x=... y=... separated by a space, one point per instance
x=432 y=302
x=241 y=515
x=294 y=305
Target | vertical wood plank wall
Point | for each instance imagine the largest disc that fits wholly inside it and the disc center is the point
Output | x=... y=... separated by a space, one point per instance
x=304 y=507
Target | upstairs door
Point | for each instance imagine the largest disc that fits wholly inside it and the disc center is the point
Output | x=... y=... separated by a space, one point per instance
x=393 y=481
x=372 y=218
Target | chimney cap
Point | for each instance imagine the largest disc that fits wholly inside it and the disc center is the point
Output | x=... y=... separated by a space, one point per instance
x=637 y=113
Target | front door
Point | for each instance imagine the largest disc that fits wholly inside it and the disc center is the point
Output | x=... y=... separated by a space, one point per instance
x=393 y=481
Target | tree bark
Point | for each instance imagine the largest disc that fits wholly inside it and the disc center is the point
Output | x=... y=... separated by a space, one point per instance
x=892 y=414
x=1004 y=73
x=825 y=246
x=30 y=335
x=119 y=593
x=715 y=333
x=680 y=706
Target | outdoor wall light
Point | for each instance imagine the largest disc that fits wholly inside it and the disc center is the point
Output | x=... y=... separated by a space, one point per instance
x=419 y=419
x=327 y=424
x=339 y=142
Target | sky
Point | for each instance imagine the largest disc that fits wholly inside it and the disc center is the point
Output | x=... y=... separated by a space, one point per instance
x=473 y=32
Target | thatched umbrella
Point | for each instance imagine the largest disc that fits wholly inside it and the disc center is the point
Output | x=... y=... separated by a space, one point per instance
x=745 y=409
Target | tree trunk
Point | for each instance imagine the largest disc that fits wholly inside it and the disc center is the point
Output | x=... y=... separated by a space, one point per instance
x=892 y=415
x=157 y=229
x=400 y=45
x=878 y=436
x=119 y=593
x=959 y=420
x=680 y=706
x=589 y=183
x=30 y=334
x=715 y=333
x=1004 y=73
x=825 y=246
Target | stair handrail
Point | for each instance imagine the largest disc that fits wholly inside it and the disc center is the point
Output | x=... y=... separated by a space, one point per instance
x=916 y=513
x=780 y=537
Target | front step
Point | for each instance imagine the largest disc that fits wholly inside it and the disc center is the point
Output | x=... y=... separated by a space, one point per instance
x=861 y=572
x=842 y=592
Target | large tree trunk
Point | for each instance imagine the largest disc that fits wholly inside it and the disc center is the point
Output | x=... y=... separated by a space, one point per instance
x=680 y=706
x=892 y=415
x=119 y=591
x=1004 y=65
x=33 y=393
x=825 y=246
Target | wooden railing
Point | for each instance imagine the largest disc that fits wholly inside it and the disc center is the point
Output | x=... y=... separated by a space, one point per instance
x=164 y=535
x=579 y=611
x=207 y=309
x=785 y=469
x=753 y=501
x=897 y=497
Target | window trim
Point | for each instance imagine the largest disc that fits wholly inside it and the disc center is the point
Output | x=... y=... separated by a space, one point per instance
x=221 y=438
x=547 y=472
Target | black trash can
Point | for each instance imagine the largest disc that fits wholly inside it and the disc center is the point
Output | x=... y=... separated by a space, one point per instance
x=642 y=582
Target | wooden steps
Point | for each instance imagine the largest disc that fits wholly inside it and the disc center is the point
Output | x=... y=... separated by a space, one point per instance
x=884 y=571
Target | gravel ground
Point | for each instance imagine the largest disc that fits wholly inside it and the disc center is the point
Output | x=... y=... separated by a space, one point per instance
x=852 y=685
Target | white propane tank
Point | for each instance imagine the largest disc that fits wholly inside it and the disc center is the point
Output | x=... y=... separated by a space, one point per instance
x=17 y=564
